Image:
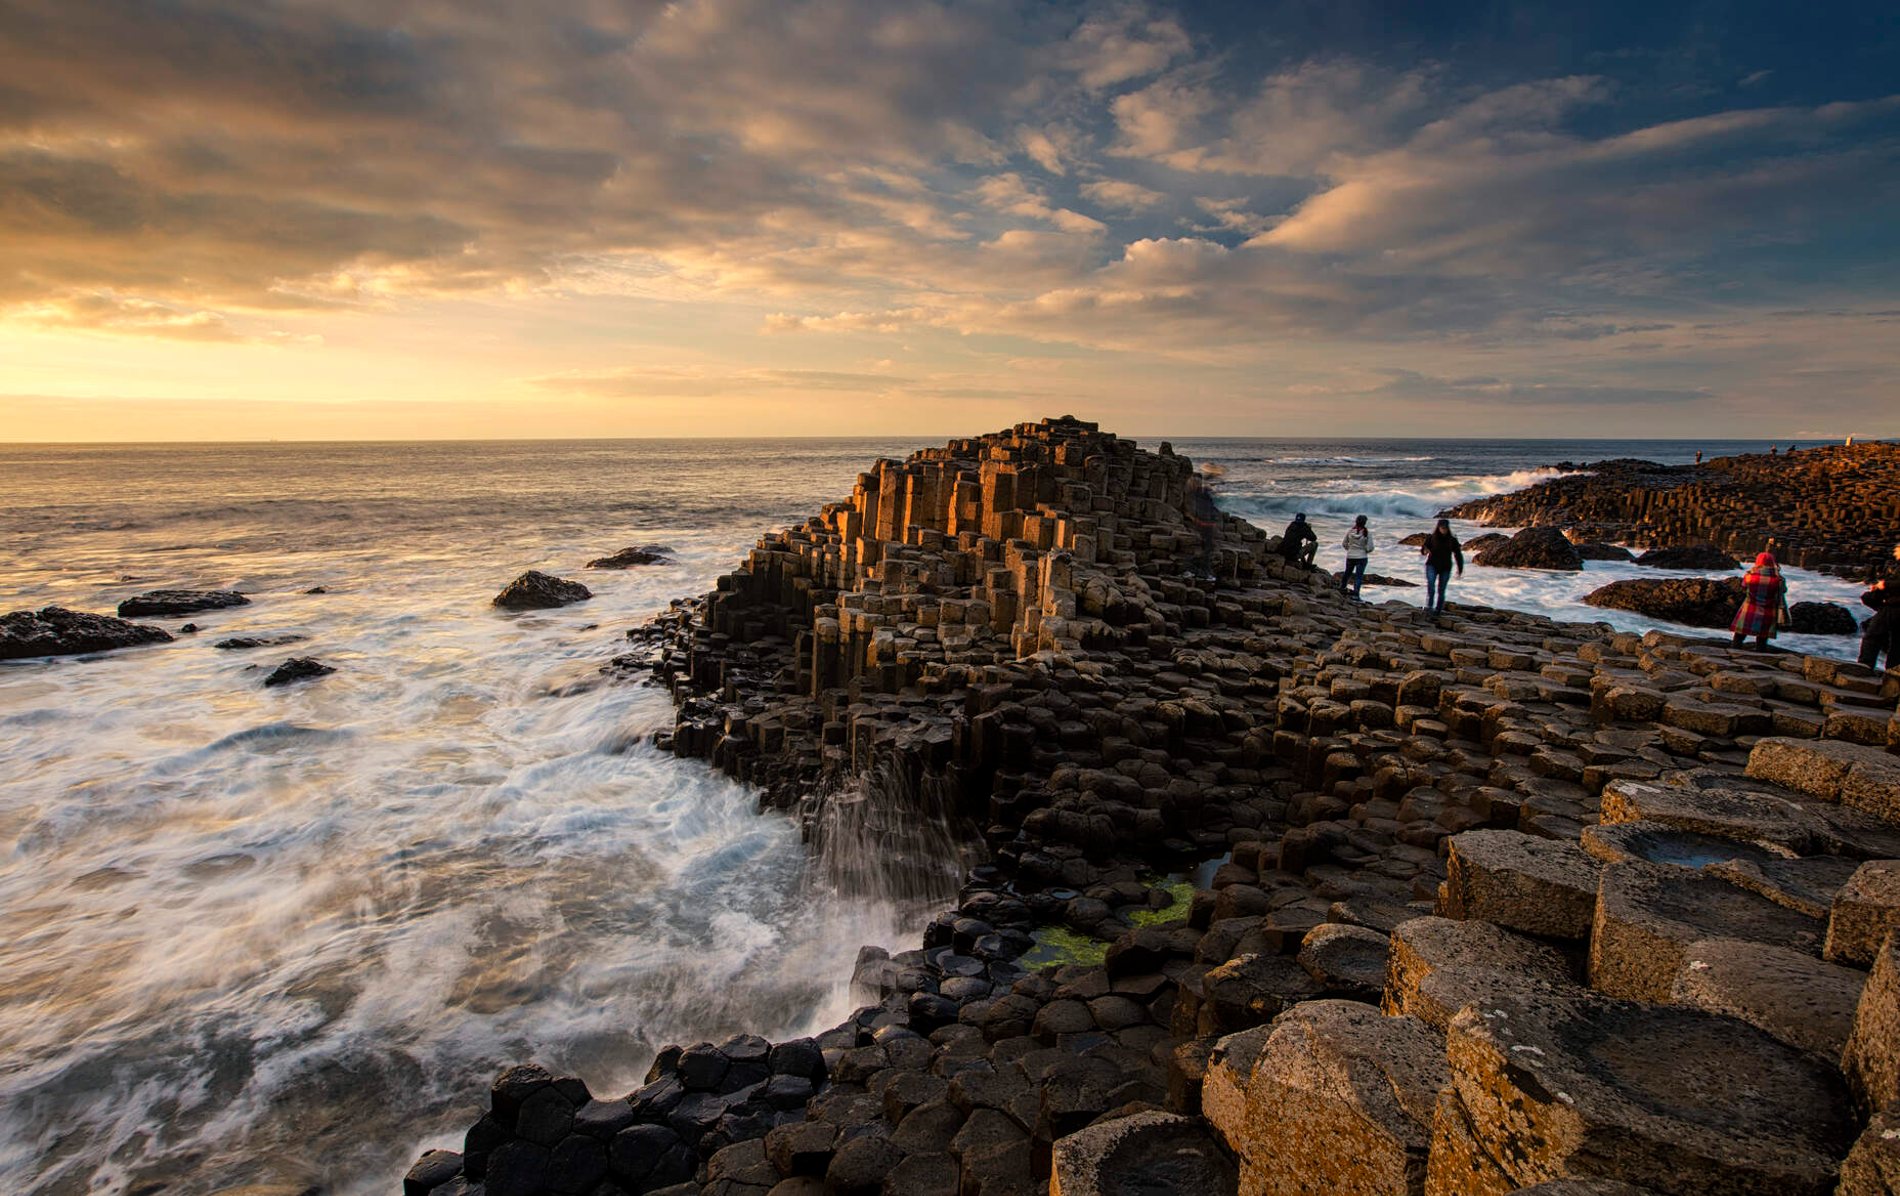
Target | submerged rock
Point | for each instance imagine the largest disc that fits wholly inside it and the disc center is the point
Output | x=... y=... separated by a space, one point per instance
x=179 y=602
x=238 y=643
x=56 y=631
x=1822 y=618
x=297 y=668
x=1688 y=556
x=627 y=558
x=1532 y=548
x=535 y=590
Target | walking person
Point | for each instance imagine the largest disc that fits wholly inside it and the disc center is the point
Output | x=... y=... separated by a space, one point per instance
x=1299 y=544
x=1882 y=632
x=1440 y=549
x=1358 y=545
x=1206 y=517
x=1764 y=603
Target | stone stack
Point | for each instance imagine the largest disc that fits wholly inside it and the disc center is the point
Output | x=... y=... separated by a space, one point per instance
x=1832 y=508
x=1485 y=902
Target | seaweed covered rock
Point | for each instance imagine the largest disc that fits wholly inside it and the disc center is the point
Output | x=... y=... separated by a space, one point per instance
x=56 y=631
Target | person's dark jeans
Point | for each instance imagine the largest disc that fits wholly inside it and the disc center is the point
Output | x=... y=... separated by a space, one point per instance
x=1761 y=641
x=1435 y=582
x=1309 y=552
x=1876 y=640
x=1354 y=576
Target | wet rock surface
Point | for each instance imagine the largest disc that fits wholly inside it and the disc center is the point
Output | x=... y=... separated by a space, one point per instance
x=535 y=590
x=1454 y=874
x=56 y=631
x=179 y=602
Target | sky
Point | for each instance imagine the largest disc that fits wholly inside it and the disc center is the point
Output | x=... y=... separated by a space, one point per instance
x=397 y=219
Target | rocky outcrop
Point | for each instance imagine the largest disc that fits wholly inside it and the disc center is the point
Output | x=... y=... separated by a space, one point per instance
x=1532 y=548
x=159 y=603
x=535 y=590
x=1704 y=556
x=56 y=631
x=628 y=558
x=1711 y=602
x=297 y=668
x=1011 y=633
x=1830 y=508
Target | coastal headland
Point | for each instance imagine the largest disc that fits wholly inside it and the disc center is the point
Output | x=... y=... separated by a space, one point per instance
x=1833 y=508
x=1278 y=892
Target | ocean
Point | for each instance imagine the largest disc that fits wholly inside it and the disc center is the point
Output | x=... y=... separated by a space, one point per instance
x=285 y=938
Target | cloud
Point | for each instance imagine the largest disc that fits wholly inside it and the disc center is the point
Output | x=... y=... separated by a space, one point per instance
x=649 y=383
x=1122 y=196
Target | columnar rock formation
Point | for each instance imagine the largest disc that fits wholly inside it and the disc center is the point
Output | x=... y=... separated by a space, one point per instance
x=1833 y=508
x=1489 y=903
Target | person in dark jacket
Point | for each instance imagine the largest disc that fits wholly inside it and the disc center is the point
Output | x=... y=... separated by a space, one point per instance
x=1882 y=632
x=1299 y=544
x=1206 y=517
x=1440 y=550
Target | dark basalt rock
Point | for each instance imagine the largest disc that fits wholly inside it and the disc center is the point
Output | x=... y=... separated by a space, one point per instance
x=627 y=558
x=240 y=643
x=1693 y=601
x=1822 y=618
x=535 y=590
x=56 y=631
x=1379 y=579
x=1688 y=556
x=1532 y=548
x=297 y=668
x=1596 y=550
x=179 y=602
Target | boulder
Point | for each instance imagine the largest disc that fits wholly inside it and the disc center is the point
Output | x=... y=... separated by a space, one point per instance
x=1701 y=555
x=1776 y=823
x=297 y=668
x=1690 y=601
x=1437 y=966
x=1865 y=910
x=1539 y=886
x=1821 y=618
x=1340 y=1101
x=1532 y=548
x=1872 y=1168
x=1348 y=960
x=535 y=590
x=1856 y=775
x=1596 y=550
x=56 y=631
x=1872 y=1058
x=1648 y=915
x=1143 y=1152
x=1793 y=996
x=179 y=602
x=1676 y=1100
x=627 y=558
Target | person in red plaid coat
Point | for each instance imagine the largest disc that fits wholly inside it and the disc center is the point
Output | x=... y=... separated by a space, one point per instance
x=1764 y=596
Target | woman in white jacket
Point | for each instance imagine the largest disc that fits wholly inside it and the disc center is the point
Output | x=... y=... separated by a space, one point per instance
x=1358 y=545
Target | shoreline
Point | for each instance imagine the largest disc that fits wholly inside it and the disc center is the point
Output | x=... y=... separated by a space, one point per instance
x=1004 y=627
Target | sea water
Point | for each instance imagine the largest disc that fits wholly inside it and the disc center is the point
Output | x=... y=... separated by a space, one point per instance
x=287 y=936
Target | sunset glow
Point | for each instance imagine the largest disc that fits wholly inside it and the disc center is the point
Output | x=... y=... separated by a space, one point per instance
x=337 y=219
